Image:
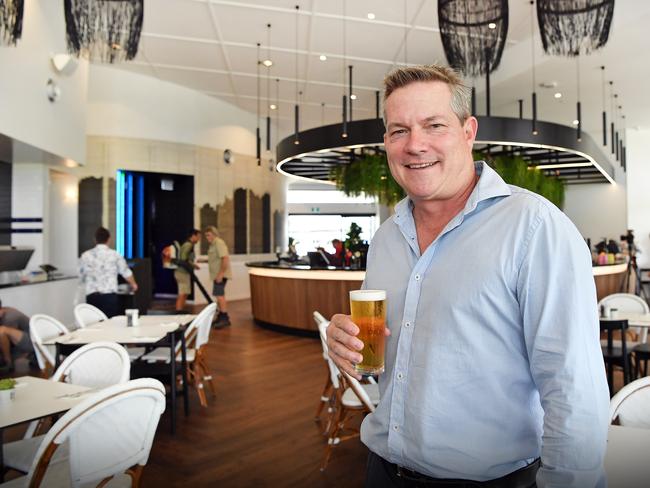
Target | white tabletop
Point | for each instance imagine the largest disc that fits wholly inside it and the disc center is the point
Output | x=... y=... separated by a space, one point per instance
x=627 y=461
x=36 y=398
x=152 y=328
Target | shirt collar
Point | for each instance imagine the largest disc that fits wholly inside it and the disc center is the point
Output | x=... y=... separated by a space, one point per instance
x=490 y=185
x=101 y=246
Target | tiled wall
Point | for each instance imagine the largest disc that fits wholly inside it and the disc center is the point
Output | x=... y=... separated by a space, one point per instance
x=221 y=189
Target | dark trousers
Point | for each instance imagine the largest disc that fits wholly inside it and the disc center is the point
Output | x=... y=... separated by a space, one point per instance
x=109 y=303
x=383 y=474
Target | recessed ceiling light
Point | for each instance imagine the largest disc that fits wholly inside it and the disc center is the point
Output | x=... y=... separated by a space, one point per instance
x=492 y=25
x=557 y=95
x=575 y=122
x=371 y=16
x=322 y=57
x=353 y=97
x=268 y=63
x=273 y=106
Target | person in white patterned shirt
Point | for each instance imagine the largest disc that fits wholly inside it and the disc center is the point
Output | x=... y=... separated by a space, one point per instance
x=98 y=268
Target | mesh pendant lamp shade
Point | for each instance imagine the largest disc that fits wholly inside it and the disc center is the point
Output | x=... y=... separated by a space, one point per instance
x=11 y=21
x=104 y=30
x=473 y=34
x=573 y=27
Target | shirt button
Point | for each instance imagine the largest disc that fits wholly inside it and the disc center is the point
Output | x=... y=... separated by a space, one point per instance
x=400 y=376
x=417 y=277
x=395 y=427
x=407 y=324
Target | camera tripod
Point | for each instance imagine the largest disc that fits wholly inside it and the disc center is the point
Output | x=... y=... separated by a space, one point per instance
x=633 y=269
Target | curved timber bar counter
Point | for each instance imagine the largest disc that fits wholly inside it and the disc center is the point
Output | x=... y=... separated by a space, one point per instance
x=285 y=296
x=609 y=278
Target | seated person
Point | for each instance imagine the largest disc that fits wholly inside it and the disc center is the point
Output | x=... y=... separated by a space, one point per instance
x=338 y=258
x=14 y=336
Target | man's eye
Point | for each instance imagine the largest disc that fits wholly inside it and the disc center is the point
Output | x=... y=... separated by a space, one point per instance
x=397 y=132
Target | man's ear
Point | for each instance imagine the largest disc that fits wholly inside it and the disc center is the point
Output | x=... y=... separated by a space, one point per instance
x=470 y=128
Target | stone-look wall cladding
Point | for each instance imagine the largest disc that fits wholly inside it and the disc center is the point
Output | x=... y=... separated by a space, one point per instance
x=232 y=196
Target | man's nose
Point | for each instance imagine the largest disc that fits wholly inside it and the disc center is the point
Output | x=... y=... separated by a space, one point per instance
x=417 y=142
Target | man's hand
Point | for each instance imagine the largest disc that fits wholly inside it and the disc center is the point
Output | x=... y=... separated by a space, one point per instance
x=134 y=287
x=218 y=279
x=344 y=348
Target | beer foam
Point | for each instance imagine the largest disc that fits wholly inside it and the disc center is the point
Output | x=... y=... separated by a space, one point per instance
x=367 y=295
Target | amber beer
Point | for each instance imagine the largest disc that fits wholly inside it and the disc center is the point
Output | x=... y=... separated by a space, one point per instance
x=369 y=313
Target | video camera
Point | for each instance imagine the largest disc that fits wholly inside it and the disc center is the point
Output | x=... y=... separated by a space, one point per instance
x=629 y=237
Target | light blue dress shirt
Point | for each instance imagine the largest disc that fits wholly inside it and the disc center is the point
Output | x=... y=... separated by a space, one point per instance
x=494 y=356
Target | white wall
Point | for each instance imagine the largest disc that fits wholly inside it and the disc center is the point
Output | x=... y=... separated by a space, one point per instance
x=598 y=210
x=638 y=189
x=25 y=112
x=63 y=224
x=126 y=104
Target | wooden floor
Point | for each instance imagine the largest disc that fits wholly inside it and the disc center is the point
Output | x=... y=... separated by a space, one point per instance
x=259 y=430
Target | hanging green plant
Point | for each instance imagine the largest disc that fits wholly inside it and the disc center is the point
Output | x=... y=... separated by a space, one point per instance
x=368 y=175
x=515 y=171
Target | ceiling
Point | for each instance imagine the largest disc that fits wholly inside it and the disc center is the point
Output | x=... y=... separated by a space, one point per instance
x=211 y=46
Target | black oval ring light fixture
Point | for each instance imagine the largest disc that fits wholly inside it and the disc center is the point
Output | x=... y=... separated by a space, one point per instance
x=554 y=149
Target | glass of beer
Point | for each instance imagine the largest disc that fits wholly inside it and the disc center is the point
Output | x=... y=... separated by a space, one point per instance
x=369 y=313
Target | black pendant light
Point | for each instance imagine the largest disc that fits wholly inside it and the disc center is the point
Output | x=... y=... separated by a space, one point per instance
x=296 y=114
x=578 y=107
x=258 y=137
x=11 y=21
x=473 y=34
x=602 y=71
x=344 y=97
x=104 y=30
x=532 y=44
x=611 y=103
x=573 y=27
x=268 y=63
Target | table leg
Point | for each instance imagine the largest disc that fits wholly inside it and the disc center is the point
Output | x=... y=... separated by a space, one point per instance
x=57 y=357
x=186 y=401
x=172 y=363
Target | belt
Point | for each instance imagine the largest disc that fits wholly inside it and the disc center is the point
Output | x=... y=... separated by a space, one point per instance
x=522 y=478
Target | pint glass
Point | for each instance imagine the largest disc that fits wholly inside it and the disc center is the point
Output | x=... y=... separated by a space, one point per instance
x=369 y=313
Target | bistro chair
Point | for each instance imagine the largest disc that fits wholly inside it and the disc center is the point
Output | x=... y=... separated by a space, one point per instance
x=352 y=399
x=41 y=328
x=97 y=365
x=627 y=302
x=630 y=407
x=613 y=355
x=86 y=314
x=326 y=397
x=109 y=435
x=197 y=335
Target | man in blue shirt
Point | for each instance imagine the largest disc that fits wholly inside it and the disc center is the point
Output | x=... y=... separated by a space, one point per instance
x=493 y=358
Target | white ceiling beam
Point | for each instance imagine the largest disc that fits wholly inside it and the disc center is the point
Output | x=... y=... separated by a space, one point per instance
x=224 y=52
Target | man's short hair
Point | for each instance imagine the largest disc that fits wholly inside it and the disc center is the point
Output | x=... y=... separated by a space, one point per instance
x=211 y=229
x=102 y=235
x=337 y=241
x=460 y=94
x=193 y=232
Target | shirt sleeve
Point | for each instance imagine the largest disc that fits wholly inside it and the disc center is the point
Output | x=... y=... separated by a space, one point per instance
x=557 y=300
x=222 y=249
x=122 y=267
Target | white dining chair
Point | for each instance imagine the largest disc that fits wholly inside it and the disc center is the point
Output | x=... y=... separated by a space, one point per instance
x=351 y=399
x=326 y=395
x=197 y=335
x=86 y=314
x=630 y=407
x=41 y=328
x=97 y=365
x=627 y=302
x=109 y=437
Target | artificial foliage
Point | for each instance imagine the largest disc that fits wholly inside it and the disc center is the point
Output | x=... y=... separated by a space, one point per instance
x=368 y=175
x=515 y=171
